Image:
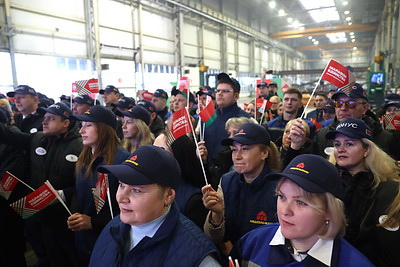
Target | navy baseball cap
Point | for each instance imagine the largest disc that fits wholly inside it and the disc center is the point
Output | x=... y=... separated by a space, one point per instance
x=23 y=90
x=273 y=84
x=137 y=112
x=99 y=114
x=124 y=102
x=206 y=90
x=148 y=105
x=314 y=174
x=263 y=84
x=354 y=91
x=353 y=128
x=147 y=165
x=109 y=88
x=224 y=78
x=249 y=134
x=58 y=108
x=329 y=107
x=160 y=93
x=2 y=96
x=84 y=99
x=391 y=99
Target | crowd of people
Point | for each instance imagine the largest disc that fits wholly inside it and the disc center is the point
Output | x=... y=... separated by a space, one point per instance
x=264 y=188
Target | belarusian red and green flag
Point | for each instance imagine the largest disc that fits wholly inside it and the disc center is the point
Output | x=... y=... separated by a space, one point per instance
x=35 y=201
x=184 y=86
x=7 y=184
x=208 y=114
x=86 y=87
x=391 y=122
x=100 y=193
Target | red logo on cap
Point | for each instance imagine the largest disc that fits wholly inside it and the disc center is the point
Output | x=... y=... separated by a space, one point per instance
x=300 y=165
x=134 y=157
x=241 y=131
x=261 y=216
x=368 y=132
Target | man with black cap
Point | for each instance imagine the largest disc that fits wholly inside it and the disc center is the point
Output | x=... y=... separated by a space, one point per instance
x=53 y=153
x=150 y=230
x=227 y=94
x=156 y=125
x=264 y=90
x=27 y=101
x=349 y=102
x=159 y=99
x=110 y=95
x=81 y=104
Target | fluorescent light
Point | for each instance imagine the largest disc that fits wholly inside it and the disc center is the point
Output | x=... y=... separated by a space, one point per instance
x=295 y=24
x=289 y=20
x=316 y=42
x=272 y=4
x=345 y=3
x=348 y=18
x=310 y=37
x=313 y=40
x=328 y=13
x=353 y=40
x=347 y=12
x=352 y=33
x=350 y=23
x=355 y=48
x=338 y=37
x=301 y=28
x=281 y=12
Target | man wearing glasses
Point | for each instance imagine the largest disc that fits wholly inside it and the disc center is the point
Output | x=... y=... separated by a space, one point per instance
x=227 y=94
x=349 y=102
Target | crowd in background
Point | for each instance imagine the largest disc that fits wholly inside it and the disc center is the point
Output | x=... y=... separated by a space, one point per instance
x=269 y=187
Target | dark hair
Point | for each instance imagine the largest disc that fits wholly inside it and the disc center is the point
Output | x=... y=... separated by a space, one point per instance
x=184 y=151
x=321 y=94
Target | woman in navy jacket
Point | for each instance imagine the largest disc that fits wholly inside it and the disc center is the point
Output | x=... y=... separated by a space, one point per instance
x=245 y=198
x=101 y=147
x=311 y=221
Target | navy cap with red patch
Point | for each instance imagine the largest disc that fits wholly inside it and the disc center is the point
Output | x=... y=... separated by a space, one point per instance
x=137 y=112
x=23 y=90
x=249 y=134
x=58 y=108
x=353 y=91
x=109 y=88
x=147 y=165
x=160 y=93
x=353 y=128
x=84 y=99
x=124 y=102
x=99 y=114
x=263 y=84
x=314 y=174
x=148 y=105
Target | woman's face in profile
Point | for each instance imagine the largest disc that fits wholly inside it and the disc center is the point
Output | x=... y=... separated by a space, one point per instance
x=298 y=220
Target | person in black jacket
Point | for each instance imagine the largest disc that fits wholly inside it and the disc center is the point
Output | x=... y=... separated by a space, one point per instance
x=370 y=179
x=53 y=153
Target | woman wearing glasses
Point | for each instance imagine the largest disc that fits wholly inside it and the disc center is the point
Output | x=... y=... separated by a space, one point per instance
x=370 y=179
x=349 y=103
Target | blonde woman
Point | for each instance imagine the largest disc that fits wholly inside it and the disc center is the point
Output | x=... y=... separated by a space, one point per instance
x=311 y=221
x=370 y=179
x=135 y=128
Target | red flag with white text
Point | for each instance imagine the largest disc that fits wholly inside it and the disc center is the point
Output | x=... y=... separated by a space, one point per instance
x=86 y=87
x=7 y=184
x=391 y=122
x=35 y=201
x=338 y=75
x=100 y=193
x=147 y=95
x=180 y=123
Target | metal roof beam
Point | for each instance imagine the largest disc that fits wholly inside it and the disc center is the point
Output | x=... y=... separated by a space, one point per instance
x=323 y=30
x=332 y=46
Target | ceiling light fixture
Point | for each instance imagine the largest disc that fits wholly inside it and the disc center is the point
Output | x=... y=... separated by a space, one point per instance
x=355 y=48
x=352 y=33
x=281 y=12
x=345 y=3
x=316 y=42
x=348 y=18
x=353 y=40
x=289 y=20
x=310 y=37
x=347 y=12
x=350 y=23
x=272 y=4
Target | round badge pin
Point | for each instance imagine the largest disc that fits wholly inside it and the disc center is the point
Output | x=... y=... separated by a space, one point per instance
x=71 y=158
x=40 y=151
x=33 y=130
x=328 y=150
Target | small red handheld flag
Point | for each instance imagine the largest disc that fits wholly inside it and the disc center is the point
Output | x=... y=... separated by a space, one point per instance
x=7 y=184
x=180 y=123
x=35 y=201
x=208 y=114
x=86 y=87
x=338 y=75
x=100 y=193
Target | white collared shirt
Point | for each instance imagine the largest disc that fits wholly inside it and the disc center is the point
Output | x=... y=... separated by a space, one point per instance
x=321 y=250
